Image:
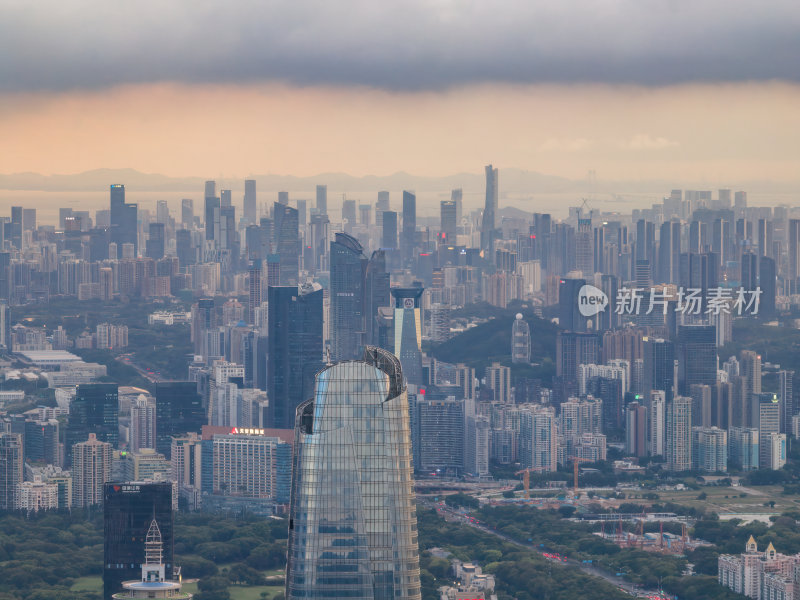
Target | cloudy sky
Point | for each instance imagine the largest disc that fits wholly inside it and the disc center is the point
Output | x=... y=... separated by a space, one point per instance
x=690 y=90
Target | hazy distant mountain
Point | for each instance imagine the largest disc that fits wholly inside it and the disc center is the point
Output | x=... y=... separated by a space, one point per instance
x=513 y=182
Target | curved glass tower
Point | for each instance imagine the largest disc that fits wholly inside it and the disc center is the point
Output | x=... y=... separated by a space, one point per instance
x=352 y=521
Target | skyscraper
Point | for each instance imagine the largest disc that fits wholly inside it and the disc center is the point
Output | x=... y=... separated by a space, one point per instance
x=389 y=234
x=287 y=243
x=407 y=242
x=322 y=199
x=352 y=521
x=129 y=509
x=448 y=222
x=679 y=434
x=348 y=274
x=124 y=219
x=295 y=349
x=250 y=203
x=155 y=241
x=569 y=316
x=408 y=332
x=95 y=410
x=520 y=341
x=376 y=295
x=143 y=425
x=697 y=356
x=91 y=469
x=179 y=410
x=11 y=470
x=488 y=225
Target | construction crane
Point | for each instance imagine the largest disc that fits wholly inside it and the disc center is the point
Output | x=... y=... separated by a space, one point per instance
x=526 y=478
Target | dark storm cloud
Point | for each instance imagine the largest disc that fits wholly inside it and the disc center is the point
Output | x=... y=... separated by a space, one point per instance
x=415 y=45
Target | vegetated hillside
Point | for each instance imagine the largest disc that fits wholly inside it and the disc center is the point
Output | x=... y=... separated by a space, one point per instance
x=490 y=342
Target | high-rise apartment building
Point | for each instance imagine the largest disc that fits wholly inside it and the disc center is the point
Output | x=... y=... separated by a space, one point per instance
x=142 y=432
x=710 y=449
x=352 y=529
x=679 y=434
x=91 y=469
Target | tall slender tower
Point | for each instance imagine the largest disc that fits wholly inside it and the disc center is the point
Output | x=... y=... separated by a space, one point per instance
x=489 y=210
x=352 y=521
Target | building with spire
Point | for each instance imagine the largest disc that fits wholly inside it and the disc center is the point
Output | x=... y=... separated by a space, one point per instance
x=760 y=575
x=154 y=582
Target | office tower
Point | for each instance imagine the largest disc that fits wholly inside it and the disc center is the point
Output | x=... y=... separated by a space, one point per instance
x=407 y=242
x=251 y=463
x=584 y=252
x=679 y=434
x=794 y=254
x=29 y=219
x=337 y=502
x=348 y=215
x=768 y=423
x=283 y=198
x=389 y=234
x=750 y=369
x=143 y=425
x=179 y=410
x=91 y=468
x=124 y=219
x=439 y=437
x=573 y=349
x=489 y=222
x=144 y=465
x=538 y=439
x=95 y=410
x=408 y=332
x=669 y=247
x=377 y=295
x=448 y=222
x=5 y=327
x=155 y=241
x=187 y=212
x=128 y=512
x=609 y=319
x=710 y=449
x=697 y=356
x=743 y=448
x=228 y=237
x=347 y=282
x=656 y=425
x=11 y=470
x=250 y=204
x=295 y=349
x=498 y=380
x=212 y=212
x=767 y=281
x=701 y=404
x=569 y=316
x=322 y=199
x=287 y=243
x=5 y=275
x=204 y=319
x=636 y=429
x=520 y=341
x=183 y=248
x=41 y=441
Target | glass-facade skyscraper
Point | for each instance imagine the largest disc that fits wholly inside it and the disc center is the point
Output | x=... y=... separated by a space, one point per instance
x=352 y=522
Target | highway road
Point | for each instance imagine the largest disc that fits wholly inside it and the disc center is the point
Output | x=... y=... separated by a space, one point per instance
x=450 y=514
